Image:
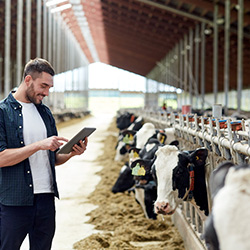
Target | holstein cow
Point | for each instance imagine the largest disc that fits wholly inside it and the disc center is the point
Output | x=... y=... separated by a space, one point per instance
x=228 y=227
x=125 y=180
x=137 y=139
x=125 y=142
x=123 y=121
x=145 y=189
x=180 y=176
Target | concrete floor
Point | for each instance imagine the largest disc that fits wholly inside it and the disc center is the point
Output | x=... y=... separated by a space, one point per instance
x=76 y=180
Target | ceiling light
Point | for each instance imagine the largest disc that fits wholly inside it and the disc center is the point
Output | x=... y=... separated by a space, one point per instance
x=54 y=2
x=61 y=8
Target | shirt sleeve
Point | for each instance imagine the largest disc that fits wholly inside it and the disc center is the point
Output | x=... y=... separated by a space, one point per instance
x=3 y=143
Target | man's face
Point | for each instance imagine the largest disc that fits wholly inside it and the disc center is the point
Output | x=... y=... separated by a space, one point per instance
x=39 y=88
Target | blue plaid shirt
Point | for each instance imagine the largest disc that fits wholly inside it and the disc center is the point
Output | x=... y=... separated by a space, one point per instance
x=16 y=185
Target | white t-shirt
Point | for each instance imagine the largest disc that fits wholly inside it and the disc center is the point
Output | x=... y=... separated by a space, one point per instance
x=34 y=130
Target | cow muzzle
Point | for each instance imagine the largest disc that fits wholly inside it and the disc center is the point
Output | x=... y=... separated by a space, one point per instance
x=163 y=208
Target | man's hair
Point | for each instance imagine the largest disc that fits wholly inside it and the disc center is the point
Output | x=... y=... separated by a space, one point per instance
x=36 y=66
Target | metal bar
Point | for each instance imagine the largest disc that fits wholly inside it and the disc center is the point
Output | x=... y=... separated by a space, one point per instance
x=28 y=31
x=45 y=13
x=196 y=65
x=7 y=43
x=50 y=37
x=203 y=58
x=185 y=68
x=215 y=54
x=38 y=27
x=226 y=53
x=19 y=41
x=176 y=11
x=240 y=54
x=191 y=67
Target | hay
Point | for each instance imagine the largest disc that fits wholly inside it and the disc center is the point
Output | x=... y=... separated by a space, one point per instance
x=119 y=217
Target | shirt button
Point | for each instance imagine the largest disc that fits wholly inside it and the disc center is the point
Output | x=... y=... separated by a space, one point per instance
x=28 y=171
x=21 y=142
x=15 y=107
x=20 y=126
x=30 y=185
x=20 y=114
x=20 y=106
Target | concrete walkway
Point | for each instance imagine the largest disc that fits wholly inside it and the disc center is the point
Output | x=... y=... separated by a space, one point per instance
x=76 y=180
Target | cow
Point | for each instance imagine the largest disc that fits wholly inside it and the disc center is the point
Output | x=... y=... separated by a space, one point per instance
x=123 y=121
x=227 y=227
x=180 y=177
x=145 y=195
x=137 y=124
x=145 y=188
x=125 y=180
x=125 y=142
x=142 y=136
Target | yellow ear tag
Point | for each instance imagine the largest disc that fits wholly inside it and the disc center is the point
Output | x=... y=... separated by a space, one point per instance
x=136 y=155
x=142 y=171
x=197 y=158
x=125 y=139
x=162 y=139
x=136 y=169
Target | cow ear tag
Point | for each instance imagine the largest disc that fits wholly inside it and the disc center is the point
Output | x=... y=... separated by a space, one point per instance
x=197 y=158
x=133 y=155
x=138 y=170
x=162 y=139
x=128 y=138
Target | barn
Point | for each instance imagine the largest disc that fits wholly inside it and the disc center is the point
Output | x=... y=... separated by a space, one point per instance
x=193 y=114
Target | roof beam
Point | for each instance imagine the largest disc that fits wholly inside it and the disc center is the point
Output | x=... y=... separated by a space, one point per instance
x=176 y=11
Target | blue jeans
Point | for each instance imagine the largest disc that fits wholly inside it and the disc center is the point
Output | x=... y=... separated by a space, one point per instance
x=38 y=221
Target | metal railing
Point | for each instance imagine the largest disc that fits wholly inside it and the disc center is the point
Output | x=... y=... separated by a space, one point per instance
x=226 y=140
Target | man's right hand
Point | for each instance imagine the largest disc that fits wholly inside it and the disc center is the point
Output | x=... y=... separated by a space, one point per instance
x=52 y=143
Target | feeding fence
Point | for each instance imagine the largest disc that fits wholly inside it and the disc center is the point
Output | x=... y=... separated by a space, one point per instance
x=225 y=139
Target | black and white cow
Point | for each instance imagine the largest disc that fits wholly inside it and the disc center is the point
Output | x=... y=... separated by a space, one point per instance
x=228 y=227
x=126 y=140
x=145 y=188
x=180 y=176
x=125 y=180
x=123 y=121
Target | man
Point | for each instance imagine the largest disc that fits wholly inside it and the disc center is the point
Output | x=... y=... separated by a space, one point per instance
x=28 y=145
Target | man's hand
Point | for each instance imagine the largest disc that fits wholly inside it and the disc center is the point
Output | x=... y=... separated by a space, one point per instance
x=51 y=143
x=79 y=148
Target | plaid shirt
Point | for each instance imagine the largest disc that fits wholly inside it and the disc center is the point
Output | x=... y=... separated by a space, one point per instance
x=16 y=185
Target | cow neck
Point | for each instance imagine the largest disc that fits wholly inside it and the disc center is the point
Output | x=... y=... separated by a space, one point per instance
x=189 y=193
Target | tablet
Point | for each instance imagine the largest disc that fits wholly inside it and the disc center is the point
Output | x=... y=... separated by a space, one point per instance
x=81 y=135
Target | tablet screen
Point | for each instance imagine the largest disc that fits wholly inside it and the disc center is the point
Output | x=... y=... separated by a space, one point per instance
x=81 y=135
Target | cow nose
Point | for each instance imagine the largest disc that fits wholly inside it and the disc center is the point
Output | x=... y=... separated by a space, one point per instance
x=161 y=207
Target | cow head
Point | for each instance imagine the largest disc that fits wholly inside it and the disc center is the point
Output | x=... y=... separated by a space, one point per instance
x=126 y=141
x=184 y=171
x=141 y=170
x=166 y=160
x=124 y=181
x=173 y=175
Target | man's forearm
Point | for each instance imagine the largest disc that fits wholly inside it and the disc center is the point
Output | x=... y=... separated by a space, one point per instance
x=12 y=156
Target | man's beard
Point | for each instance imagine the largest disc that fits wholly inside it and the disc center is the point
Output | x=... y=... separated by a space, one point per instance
x=30 y=95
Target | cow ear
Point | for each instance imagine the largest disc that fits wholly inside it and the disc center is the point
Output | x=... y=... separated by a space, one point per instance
x=199 y=156
x=174 y=143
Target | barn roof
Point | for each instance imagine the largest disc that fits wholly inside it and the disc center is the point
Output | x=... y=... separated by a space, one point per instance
x=138 y=35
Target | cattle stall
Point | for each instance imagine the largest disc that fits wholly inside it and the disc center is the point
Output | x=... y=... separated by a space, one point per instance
x=225 y=139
